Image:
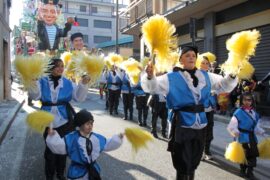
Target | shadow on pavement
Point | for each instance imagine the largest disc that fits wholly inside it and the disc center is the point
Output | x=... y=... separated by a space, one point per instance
x=112 y=168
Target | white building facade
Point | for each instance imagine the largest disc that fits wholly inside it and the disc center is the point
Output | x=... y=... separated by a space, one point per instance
x=96 y=18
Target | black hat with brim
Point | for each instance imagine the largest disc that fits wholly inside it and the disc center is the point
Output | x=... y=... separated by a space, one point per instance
x=75 y=35
x=185 y=49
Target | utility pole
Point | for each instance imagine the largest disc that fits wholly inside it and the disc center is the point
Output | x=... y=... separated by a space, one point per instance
x=117 y=21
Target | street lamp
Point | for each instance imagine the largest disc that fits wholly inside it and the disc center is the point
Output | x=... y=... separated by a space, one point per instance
x=117 y=21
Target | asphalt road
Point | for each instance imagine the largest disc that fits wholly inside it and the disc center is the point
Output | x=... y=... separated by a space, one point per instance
x=21 y=153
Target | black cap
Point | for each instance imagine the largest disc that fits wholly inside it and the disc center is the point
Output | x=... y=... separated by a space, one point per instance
x=75 y=35
x=82 y=117
x=185 y=49
x=55 y=2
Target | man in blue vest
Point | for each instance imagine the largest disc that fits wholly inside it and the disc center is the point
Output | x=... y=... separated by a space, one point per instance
x=187 y=91
x=114 y=86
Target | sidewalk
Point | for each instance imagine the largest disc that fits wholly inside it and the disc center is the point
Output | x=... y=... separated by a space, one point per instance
x=9 y=110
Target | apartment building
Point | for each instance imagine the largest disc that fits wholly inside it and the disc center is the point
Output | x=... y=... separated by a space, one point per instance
x=96 y=18
x=5 y=73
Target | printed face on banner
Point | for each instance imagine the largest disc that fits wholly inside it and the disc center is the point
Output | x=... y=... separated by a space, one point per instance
x=49 y=13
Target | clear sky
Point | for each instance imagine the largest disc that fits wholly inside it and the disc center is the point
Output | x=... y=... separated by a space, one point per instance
x=15 y=13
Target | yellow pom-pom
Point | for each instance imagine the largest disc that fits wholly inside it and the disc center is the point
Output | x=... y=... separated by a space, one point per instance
x=39 y=120
x=66 y=57
x=264 y=149
x=138 y=138
x=158 y=34
x=91 y=65
x=114 y=59
x=246 y=70
x=235 y=153
x=133 y=69
x=244 y=43
x=31 y=68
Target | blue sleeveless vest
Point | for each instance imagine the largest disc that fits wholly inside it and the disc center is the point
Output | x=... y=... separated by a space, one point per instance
x=138 y=90
x=109 y=81
x=79 y=161
x=126 y=84
x=180 y=95
x=64 y=95
x=245 y=122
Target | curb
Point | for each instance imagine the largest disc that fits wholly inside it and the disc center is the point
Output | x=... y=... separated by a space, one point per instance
x=6 y=125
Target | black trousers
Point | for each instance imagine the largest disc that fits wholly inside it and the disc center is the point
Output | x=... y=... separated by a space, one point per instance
x=209 y=131
x=128 y=104
x=159 y=111
x=114 y=99
x=56 y=162
x=141 y=106
x=186 y=153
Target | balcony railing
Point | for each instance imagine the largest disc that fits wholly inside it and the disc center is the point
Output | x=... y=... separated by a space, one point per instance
x=139 y=9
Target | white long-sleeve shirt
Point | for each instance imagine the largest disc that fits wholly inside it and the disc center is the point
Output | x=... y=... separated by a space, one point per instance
x=79 y=94
x=233 y=125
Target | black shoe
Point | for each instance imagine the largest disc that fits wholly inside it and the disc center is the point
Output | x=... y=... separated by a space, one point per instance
x=116 y=112
x=155 y=135
x=144 y=124
x=243 y=169
x=140 y=124
x=125 y=118
x=61 y=177
x=110 y=113
x=164 y=135
x=250 y=174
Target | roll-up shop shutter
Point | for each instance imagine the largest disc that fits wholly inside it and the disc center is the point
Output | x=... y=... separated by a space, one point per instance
x=199 y=44
x=261 y=60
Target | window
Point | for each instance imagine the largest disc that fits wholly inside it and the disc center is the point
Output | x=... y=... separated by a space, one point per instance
x=82 y=22
x=101 y=39
x=94 y=9
x=82 y=8
x=102 y=24
x=85 y=39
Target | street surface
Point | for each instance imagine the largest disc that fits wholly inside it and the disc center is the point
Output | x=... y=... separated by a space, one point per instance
x=21 y=153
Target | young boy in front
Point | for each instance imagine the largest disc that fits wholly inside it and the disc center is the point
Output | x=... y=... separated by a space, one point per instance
x=83 y=147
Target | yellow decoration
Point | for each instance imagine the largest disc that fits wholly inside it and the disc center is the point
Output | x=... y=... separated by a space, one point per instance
x=91 y=65
x=241 y=47
x=39 y=120
x=264 y=149
x=235 y=153
x=138 y=138
x=31 y=68
x=246 y=71
x=114 y=59
x=210 y=56
x=158 y=34
x=133 y=69
x=66 y=57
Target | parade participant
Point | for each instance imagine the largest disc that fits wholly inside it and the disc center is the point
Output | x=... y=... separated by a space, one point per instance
x=55 y=92
x=77 y=41
x=157 y=103
x=83 y=147
x=204 y=63
x=243 y=125
x=187 y=92
x=128 y=96
x=141 y=104
x=114 y=86
x=48 y=32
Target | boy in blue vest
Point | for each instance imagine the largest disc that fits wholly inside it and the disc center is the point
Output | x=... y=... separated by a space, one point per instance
x=187 y=92
x=243 y=125
x=83 y=147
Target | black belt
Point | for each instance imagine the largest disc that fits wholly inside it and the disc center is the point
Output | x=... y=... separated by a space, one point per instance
x=193 y=109
x=54 y=104
x=245 y=131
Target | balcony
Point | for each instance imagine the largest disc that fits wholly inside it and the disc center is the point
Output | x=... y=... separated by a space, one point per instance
x=138 y=10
